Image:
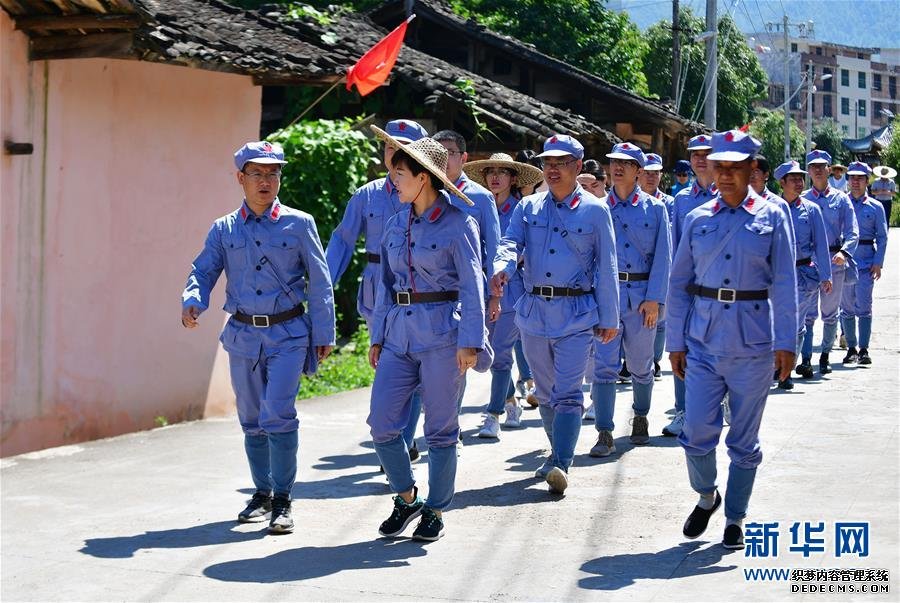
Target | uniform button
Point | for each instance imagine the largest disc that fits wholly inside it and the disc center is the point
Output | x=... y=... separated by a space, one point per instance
x=535 y=222
x=628 y=286
x=258 y=243
x=283 y=244
x=417 y=220
x=555 y=229
x=727 y=256
x=623 y=226
x=628 y=265
x=371 y=215
x=627 y=245
x=413 y=244
x=434 y=245
x=731 y=211
x=552 y=251
x=259 y=267
x=257 y=220
x=559 y=205
x=259 y=291
x=579 y=230
x=646 y=224
x=548 y=274
x=727 y=280
x=727 y=306
x=409 y=312
x=756 y=306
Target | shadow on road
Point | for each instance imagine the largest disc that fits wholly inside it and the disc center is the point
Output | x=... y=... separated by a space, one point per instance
x=686 y=559
x=310 y=562
x=121 y=547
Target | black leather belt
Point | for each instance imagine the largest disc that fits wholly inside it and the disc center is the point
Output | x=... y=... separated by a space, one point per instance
x=267 y=320
x=804 y=262
x=728 y=295
x=835 y=248
x=547 y=291
x=374 y=258
x=867 y=241
x=405 y=298
x=634 y=276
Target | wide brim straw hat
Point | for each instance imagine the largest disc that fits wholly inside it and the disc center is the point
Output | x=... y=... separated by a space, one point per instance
x=526 y=175
x=883 y=171
x=838 y=166
x=430 y=154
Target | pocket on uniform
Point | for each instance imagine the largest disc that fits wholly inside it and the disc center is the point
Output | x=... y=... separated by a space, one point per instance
x=755 y=322
x=235 y=250
x=757 y=238
x=703 y=238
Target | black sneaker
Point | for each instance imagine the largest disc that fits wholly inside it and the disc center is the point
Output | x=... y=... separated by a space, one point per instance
x=430 y=528
x=657 y=372
x=281 y=522
x=805 y=370
x=624 y=373
x=403 y=515
x=824 y=365
x=786 y=384
x=257 y=509
x=852 y=357
x=699 y=518
x=413 y=454
x=733 y=538
x=864 y=357
x=775 y=376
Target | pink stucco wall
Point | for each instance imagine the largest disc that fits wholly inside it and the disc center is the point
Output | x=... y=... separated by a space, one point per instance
x=131 y=164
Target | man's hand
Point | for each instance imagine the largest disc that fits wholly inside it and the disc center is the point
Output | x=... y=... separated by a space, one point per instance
x=498 y=281
x=465 y=359
x=678 y=360
x=494 y=309
x=827 y=287
x=839 y=259
x=322 y=351
x=876 y=271
x=605 y=335
x=784 y=363
x=650 y=310
x=374 y=355
x=189 y=316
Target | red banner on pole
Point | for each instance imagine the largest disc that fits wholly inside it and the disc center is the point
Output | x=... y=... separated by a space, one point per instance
x=375 y=66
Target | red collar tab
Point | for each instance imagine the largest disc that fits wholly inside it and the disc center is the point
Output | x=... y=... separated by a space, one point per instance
x=389 y=185
x=716 y=207
x=658 y=194
x=461 y=182
x=819 y=193
x=275 y=211
x=695 y=190
x=244 y=213
x=635 y=198
x=576 y=199
x=750 y=203
x=799 y=201
x=435 y=214
x=504 y=209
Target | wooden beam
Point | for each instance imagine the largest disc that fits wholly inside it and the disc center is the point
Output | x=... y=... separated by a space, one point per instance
x=71 y=22
x=103 y=45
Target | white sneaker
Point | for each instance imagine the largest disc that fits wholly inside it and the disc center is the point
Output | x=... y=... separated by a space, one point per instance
x=530 y=396
x=674 y=428
x=590 y=414
x=513 y=416
x=490 y=428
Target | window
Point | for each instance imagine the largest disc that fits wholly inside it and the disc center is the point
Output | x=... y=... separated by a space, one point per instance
x=892 y=86
x=861 y=108
x=502 y=66
x=876 y=81
x=876 y=108
x=845 y=130
x=862 y=79
x=861 y=133
x=845 y=106
x=826 y=85
x=826 y=106
x=845 y=77
x=793 y=47
x=819 y=50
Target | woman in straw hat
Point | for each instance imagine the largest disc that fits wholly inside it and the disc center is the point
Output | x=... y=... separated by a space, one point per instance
x=884 y=188
x=503 y=177
x=427 y=330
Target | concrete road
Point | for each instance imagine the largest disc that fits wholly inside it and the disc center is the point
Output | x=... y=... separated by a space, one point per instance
x=151 y=516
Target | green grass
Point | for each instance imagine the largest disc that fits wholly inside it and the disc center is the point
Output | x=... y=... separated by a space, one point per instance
x=346 y=368
x=894 y=218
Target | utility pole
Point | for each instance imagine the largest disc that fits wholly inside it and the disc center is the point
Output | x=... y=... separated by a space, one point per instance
x=787 y=92
x=712 y=64
x=676 y=54
x=810 y=89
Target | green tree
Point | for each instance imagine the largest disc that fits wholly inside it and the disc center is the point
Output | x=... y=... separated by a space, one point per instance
x=768 y=127
x=827 y=136
x=741 y=80
x=891 y=157
x=583 y=33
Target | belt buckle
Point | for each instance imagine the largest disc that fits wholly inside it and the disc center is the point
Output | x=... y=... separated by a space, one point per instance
x=548 y=289
x=726 y=295
x=624 y=277
x=260 y=320
x=403 y=298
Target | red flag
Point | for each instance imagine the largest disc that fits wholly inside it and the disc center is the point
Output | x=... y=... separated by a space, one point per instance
x=375 y=66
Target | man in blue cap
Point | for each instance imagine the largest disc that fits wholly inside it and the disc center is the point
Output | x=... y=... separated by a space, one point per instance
x=732 y=303
x=856 y=302
x=366 y=213
x=641 y=225
x=843 y=235
x=648 y=180
x=275 y=267
x=682 y=173
x=571 y=293
x=812 y=258
x=702 y=190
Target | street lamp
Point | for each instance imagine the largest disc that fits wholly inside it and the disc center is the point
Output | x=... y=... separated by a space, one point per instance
x=810 y=89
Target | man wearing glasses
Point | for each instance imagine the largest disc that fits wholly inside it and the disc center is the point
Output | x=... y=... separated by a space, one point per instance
x=571 y=293
x=273 y=262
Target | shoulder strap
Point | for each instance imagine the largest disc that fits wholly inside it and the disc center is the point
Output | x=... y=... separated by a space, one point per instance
x=554 y=213
x=719 y=247
x=264 y=261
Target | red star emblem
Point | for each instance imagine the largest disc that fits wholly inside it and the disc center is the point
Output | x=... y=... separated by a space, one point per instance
x=729 y=136
x=626 y=146
x=554 y=140
x=401 y=126
x=267 y=147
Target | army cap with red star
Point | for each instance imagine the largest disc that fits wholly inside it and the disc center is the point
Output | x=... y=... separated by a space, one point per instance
x=733 y=145
x=560 y=145
x=405 y=130
x=261 y=151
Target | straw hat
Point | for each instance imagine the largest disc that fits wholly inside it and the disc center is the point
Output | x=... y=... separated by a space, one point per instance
x=838 y=166
x=526 y=175
x=430 y=154
x=883 y=171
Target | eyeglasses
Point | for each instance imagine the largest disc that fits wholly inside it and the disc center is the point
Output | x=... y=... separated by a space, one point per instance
x=263 y=176
x=451 y=152
x=557 y=165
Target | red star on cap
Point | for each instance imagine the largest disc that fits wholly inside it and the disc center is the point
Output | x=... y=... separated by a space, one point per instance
x=267 y=147
x=626 y=146
x=401 y=126
x=729 y=136
x=553 y=140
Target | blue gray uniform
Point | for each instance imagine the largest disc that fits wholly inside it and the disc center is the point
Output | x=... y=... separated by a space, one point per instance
x=266 y=362
x=729 y=343
x=569 y=247
x=813 y=259
x=432 y=253
x=659 y=344
x=856 y=301
x=643 y=253
x=843 y=234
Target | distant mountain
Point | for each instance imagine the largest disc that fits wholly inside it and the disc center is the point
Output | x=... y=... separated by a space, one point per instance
x=865 y=23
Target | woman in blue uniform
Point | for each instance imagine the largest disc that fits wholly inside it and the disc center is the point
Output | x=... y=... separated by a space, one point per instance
x=427 y=330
